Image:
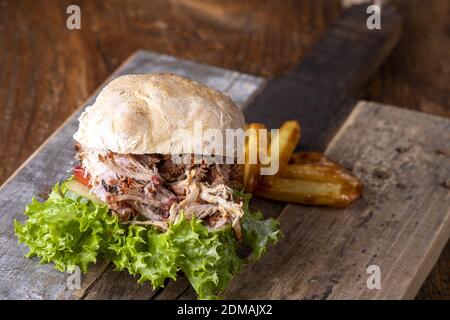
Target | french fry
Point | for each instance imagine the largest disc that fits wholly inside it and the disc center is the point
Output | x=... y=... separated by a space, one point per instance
x=252 y=170
x=307 y=192
x=323 y=173
x=304 y=177
x=287 y=139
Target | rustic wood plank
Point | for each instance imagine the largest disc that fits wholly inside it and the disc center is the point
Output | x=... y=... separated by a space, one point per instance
x=175 y=289
x=401 y=224
x=113 y=285
x=22 y=278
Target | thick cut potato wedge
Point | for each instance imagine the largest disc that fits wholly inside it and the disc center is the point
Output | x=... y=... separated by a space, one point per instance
x=330 y=194
x=324 y=173
x=287 y=139
x=304 y=177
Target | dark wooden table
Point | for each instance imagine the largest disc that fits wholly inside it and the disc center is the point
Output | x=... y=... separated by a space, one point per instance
x=46 y=71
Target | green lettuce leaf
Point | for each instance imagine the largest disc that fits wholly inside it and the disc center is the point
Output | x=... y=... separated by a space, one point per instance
x=257 y=232
x=208 y=259
x=67 y=231
x=70 y=230
x=146 y=253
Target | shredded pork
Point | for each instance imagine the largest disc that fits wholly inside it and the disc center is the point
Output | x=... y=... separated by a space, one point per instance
x=153 y=190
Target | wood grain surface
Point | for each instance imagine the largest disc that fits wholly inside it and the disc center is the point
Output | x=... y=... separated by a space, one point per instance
x=46 y=71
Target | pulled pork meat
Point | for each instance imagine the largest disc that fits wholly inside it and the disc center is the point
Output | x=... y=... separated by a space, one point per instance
x=152 y=189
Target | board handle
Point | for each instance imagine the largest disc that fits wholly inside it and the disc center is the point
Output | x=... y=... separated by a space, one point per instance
x=318 y=91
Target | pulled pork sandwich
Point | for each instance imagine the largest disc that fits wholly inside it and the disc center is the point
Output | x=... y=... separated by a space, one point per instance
x=132 y=202
x=126 y=157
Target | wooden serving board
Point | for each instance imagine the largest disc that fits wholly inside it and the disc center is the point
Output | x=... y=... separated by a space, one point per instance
x=401 y=223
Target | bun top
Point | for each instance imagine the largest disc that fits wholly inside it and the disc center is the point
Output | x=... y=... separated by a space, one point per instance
x=138 y=114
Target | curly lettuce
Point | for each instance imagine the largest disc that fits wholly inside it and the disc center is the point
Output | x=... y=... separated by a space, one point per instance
x=146 y=253
x=66 y=229
x=208 y=259
x=71 y=231
x=257 y=232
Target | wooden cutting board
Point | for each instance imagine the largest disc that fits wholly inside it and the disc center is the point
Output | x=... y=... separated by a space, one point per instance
x=403 y=158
